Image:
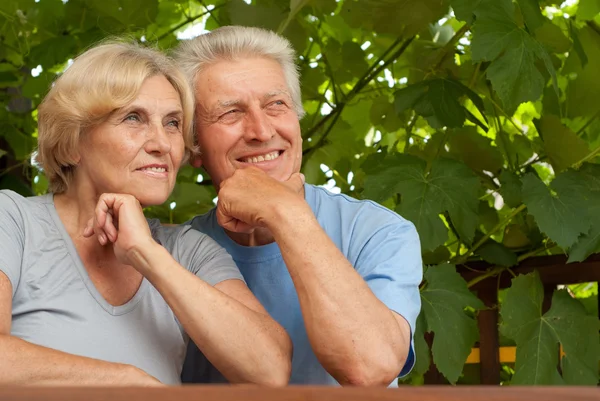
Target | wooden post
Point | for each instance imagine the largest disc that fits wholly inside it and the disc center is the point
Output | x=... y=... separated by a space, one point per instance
x=489 y=345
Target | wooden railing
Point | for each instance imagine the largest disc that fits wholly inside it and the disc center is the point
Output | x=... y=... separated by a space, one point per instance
x=248 y=393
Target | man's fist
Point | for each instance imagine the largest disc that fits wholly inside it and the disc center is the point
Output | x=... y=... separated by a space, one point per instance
x=250 y=198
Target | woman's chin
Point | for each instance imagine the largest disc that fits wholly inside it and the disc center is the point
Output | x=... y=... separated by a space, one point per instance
x=147 y=200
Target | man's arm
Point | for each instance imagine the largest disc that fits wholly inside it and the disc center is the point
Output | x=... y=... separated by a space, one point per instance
x=357 y=338
x=354 y=335
x=23 y=363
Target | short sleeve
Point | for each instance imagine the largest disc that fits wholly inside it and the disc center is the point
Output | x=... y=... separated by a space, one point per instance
x=391 y=264
x=12 y=238
x=200 y=254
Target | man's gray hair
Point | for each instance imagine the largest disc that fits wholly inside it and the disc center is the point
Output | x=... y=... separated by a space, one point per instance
x=238 y=42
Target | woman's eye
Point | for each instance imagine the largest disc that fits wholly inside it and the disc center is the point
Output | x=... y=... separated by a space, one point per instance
x=132 y=117
x=173 y=123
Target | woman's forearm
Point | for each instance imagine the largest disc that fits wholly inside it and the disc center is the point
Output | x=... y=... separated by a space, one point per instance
x=24 y=363
x=245 y=345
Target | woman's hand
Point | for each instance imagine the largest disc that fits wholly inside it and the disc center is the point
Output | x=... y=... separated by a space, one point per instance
x=119 y=219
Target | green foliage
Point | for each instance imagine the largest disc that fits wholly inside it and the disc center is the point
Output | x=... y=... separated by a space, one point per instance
x=480 y=126
x=537 y=335
x=444 y=298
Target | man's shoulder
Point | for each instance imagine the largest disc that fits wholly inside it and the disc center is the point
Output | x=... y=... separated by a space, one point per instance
x=348 y=209
x=204 y=221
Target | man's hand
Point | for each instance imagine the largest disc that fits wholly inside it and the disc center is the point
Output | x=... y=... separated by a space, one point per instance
x=119 y=219
x=250 y=198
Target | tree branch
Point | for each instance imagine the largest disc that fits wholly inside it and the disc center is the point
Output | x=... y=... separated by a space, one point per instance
x=463 y=258
x=187 y=21
x=587 y=124
x=363 y=81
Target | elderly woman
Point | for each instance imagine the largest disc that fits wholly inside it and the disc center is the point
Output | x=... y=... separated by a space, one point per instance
x=90 y=293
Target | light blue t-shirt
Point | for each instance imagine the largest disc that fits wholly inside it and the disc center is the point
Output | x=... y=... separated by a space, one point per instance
x=382 y=246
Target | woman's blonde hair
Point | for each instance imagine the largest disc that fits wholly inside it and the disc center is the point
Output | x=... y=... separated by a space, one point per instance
x=101 y=80
x=238 y=42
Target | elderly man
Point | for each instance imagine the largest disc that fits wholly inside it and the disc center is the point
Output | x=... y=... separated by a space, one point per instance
x=339 y=274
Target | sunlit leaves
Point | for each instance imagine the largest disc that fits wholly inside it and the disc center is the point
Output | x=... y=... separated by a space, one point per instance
x=444 y=299
x=582 y=91
x=560 y=216
x=557 y=138
x=393 y=17
x=512 y=51
x=438 y=100
x=426 y=192
x=588 y=243
x=475 y=150
x=537 y=335
x=588 y=9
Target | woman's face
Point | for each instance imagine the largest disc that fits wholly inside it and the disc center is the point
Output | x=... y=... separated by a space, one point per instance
x=138 y=149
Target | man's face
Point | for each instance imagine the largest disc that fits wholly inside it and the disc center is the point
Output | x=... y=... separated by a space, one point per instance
x=245 y=117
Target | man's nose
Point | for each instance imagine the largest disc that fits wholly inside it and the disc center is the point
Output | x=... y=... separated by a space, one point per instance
x=257 y=127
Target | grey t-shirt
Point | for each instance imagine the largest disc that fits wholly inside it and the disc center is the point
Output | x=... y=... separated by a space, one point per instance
x=56 y=305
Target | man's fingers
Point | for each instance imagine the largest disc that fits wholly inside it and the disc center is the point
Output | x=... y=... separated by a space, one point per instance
x=232 y=224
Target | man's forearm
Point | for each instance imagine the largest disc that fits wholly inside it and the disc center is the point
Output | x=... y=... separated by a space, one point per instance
x=246 y=346
x=23 y=363
x=353 y=334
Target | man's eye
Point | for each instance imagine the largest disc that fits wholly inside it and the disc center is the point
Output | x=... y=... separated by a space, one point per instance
x=278 y=103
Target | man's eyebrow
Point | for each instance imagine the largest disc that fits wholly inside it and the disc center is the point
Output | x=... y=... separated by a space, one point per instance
x=228 y=103
x=276 y=93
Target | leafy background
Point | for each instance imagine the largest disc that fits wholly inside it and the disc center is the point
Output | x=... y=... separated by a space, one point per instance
x=477 y=120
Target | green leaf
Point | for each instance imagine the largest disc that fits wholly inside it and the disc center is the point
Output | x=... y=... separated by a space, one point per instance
x=582 y=91
x=464 y=9
x=475 y=150
x=488 y=216
x=586 y=245
x=577 y=44
x=532 y=13
x=438 y=100
x=497 y=254
x=384 y=17
x=2 y=153
x=588 y=9
x=558 y=138
x=423 y=360
x=53 y=51
x=255 y=15
x=444 y=299
x=188 y=194
x=437 y=256
x=537 y=336
x=295 y=7
x=551 y=36
x=510 y=188
x=449 y=185
x=561 y=216
x=589 y=179
x=512 y=51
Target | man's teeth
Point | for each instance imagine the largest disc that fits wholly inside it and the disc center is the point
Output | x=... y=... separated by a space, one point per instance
x=155 y=169
x=255 y=159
